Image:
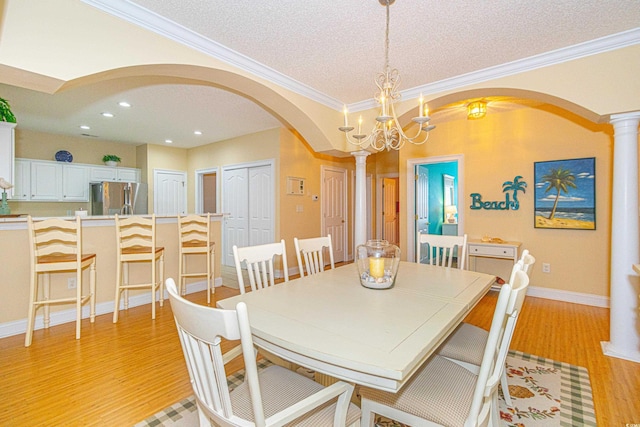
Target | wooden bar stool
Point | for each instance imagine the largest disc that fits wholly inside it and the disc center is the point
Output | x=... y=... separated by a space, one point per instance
x=136 y=242
x=195 y=239
x=56 y=246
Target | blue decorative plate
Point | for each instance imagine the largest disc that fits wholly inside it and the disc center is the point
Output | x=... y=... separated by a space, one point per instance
x=64 y=156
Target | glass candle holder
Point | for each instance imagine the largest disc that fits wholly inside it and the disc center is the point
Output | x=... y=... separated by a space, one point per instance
x=378 y=263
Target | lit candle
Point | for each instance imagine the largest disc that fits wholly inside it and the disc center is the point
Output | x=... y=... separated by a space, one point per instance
x=426 y=110
x=384 y=107
x=359 y=125
x=421 y=101
x=346 y=123
x=376 y=267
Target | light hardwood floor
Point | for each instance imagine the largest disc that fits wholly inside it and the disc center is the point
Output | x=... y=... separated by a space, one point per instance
x=117 y=375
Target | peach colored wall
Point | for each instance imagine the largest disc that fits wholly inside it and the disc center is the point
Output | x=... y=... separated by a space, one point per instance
x=501 y=146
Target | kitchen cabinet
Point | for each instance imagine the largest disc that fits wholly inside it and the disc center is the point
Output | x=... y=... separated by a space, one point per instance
x=75 y=183
x=22 y=176
x=7 y=153
x=46 y=181
x=128 y=175
x=50 y=181
x=102 y=173
x=108 y=173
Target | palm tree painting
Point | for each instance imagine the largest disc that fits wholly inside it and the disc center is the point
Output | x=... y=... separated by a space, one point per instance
x=565 y=194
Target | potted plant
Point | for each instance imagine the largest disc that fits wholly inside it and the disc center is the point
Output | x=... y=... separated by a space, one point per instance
x=111 y=159
x=6 y=115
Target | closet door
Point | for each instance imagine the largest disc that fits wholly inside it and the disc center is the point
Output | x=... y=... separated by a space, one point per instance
x=248 y=193
x=235 y=202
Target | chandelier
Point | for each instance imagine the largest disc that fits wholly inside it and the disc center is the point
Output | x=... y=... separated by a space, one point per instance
x=387 y=132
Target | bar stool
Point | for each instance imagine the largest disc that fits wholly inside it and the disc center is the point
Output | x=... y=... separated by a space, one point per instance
x=56 y=246
x=136 y=242
x=195 y=239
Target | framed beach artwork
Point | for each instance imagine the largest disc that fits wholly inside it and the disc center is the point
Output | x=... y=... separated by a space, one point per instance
x=565 y=194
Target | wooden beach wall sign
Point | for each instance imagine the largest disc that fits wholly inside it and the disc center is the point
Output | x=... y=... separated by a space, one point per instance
x=565 y=195
x=510 y=202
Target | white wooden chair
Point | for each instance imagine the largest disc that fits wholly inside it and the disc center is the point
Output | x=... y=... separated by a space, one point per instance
x=259 y=262
x=273 y=396
x=446 y=394
x=441 y=250
x=136 y=243
x=56 y=246
x=195 y=239
x=311 y=254
x=466 y=344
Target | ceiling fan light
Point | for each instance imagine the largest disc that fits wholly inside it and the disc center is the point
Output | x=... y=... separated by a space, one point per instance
x=476 y=110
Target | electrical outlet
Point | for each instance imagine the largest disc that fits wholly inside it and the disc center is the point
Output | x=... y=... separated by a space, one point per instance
x=546 y=267
x=71 y=283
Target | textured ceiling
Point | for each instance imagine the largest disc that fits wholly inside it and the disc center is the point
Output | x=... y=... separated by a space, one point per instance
x=332 y=47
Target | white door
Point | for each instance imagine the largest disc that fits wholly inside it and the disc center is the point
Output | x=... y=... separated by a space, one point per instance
x=248 y=199
x=261 y=212
x=422 y=201
x=235 y=203
x=334 y=210
x=390 y=212
x=169 y=192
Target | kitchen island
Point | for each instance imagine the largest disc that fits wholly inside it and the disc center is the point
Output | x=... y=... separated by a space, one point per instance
x=99 y=237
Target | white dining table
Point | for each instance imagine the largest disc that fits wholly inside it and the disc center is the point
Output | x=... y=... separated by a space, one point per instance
x=328 y=322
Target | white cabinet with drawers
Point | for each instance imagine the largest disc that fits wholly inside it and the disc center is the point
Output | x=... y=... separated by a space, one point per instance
x=505 y=250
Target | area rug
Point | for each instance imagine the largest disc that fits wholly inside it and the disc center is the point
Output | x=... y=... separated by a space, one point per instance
x=544 y=393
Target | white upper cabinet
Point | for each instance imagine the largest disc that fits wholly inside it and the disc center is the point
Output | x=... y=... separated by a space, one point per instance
x=75 y=183
x=44 y=180
x=22 y=174
x=7 y=153
x=103 y=173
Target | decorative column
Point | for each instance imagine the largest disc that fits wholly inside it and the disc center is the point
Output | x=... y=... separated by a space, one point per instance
x=360 y=205
x=625 y=249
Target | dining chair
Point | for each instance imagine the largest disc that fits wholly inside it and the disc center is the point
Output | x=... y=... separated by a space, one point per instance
x=465 y=346
x=273 y=396
x=56 y=246
x=136 y=243
x=195 y=239
x=311 y=254
x=258 y=260
x=445 y=393
x=441 y=250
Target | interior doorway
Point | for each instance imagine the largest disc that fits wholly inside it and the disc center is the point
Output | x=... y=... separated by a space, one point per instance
x=206 y=191
x=391 y=210
x=426 y=198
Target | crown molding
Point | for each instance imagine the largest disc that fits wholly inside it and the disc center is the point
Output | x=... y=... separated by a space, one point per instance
x=151 y=21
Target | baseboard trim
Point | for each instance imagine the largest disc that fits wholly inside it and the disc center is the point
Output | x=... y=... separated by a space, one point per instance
x=568 y=296
x=18 y=327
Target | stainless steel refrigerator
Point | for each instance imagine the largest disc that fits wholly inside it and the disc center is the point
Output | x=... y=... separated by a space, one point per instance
x=123 y=198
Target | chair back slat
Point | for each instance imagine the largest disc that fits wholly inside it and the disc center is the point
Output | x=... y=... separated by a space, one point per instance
x=493 y=362
x=55 y=237
x=312 y=251
x=136 y=232
x=259 y=263
x=440 y=250
x=195 y=228
x=200 y=329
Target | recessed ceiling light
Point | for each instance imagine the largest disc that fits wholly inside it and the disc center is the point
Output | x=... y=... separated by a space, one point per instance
x=124 y=104
x=105 y=114
x=168 y=141
x=85 y=127
x=197 y=132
